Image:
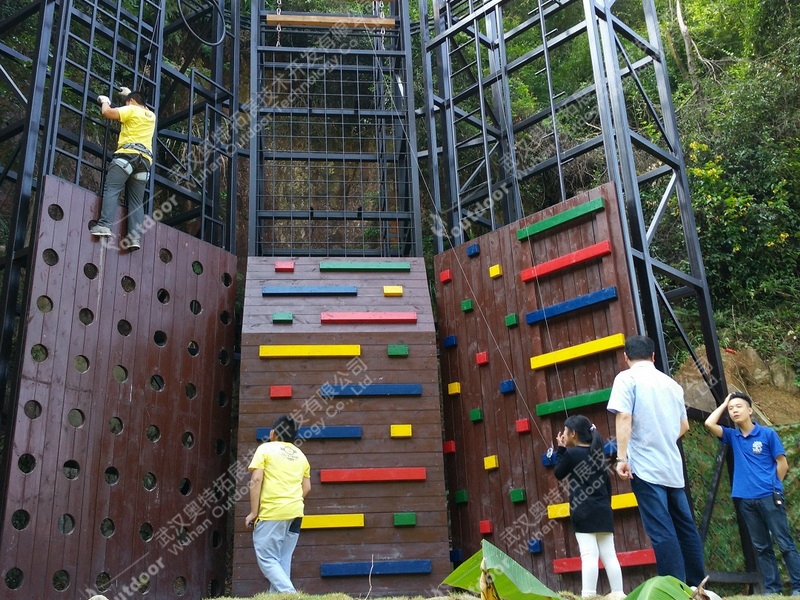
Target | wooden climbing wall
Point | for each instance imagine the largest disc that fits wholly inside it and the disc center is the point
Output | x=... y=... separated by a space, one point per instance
x=121 y=441
x=532 y=320
x=348 y=348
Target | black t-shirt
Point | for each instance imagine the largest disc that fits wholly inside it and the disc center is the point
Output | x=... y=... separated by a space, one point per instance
x=589 y=490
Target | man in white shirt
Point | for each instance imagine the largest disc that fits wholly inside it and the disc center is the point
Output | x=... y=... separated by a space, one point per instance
x=650 y=418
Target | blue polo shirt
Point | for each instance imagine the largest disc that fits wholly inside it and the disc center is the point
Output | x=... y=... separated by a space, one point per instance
x=755 y=473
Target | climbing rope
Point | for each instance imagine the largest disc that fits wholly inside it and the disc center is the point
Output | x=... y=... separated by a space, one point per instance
x=218 y=7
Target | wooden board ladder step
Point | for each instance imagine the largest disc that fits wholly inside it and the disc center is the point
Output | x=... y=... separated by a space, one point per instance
x=330 y=21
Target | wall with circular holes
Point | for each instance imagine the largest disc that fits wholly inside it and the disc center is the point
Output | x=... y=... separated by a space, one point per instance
x=120 y=479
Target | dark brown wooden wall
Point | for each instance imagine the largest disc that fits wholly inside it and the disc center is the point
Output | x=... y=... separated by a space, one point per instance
x=379 y=539
x=85 y=440
x=510 y=350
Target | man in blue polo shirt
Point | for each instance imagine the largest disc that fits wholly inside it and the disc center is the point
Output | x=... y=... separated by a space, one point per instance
x=759 y=466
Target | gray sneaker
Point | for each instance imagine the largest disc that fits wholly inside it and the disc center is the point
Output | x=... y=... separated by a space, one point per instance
x=134 y=244
x=100 y=231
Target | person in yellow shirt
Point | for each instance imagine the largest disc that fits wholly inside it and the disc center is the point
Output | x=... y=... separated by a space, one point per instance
x=280 y=478
x=130 y=166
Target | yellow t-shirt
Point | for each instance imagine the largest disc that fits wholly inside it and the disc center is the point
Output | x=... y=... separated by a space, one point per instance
x=284 y=466
x=138 y=126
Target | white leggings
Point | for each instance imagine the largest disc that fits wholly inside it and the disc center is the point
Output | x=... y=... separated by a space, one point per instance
x=594 y=546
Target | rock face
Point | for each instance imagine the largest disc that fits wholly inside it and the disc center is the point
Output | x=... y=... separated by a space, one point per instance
x=771 y=385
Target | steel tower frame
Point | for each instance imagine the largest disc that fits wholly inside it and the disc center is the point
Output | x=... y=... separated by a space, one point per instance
x=57 y=56
x=332 y=108
x=488 y=169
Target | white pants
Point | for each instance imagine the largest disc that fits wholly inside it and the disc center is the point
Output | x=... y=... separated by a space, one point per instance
x=592 y=547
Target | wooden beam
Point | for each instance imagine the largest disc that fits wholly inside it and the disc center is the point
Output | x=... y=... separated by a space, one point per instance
x=378 y=567
x=566 y=261
x=571 y=305
x=369 y=475
x=573 y=402
x=610 y=342
x=330 y=21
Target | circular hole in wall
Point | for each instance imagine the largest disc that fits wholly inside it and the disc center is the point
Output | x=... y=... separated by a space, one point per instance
x=185 y=487
x=146 y=532
x=39 y=353
x=127 y=283
x=197 y=267
x=179 y=586
x=124 y=327
x=26 y=463
x=195 y=307
x=50 y=257
x=193 y=348
x=44 y=304
x=115 y=425
x=149 y=481
x=102 y=581
x=66 y=523
x=86 y=316
x=75 y=417
x=157 y=383
x=32 y=409
x=111 y=475
x=225 y=317
x=163 y=296
x=187 y=439
x=81 y=363
x=153 y=433
x=107 y=528
x=165 y=256
x=55 y=212
x=14 y=577
x=20 y=519
x=160 y=338
x=60 y=580
x=191 y=391
x=120 y=374
x=71 y=469
x=90 y=270
x=227 y=280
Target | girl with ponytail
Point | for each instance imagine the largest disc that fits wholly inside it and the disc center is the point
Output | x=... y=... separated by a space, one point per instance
x=580 y=459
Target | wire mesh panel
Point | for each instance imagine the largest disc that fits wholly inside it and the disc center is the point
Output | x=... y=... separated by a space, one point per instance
x=333 y=148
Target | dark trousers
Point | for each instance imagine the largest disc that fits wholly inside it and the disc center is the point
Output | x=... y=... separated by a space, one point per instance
x=763 y=518
x=669 y=524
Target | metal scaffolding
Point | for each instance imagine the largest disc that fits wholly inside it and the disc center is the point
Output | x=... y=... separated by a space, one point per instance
x=333 y=167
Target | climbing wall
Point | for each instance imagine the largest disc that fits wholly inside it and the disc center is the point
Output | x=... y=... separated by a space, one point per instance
x=347 y=347
x=120 y=445
x=532 y=320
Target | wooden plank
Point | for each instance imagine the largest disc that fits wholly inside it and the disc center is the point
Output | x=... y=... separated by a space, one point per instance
x=611 y=342
x=282 y=317
x=618 y=502
x=566 y=404
x=378 y=567
x=280 y=391
x=327 y=432
x=397 y=350
x=566 y=261
x=373 y=389
x=309 y=351
x=372 y=475
x=561 y=218
x=338 y=521
x=356 y=318
x=632 y=558
x=309 y=290
x=571 y=305
x=361 y=266
x=337 y=21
